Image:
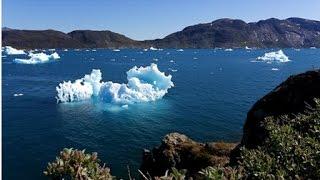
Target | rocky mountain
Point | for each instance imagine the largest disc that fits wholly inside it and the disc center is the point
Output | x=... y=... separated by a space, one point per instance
x=30 y=39
x=103 y=39
x=227 y=33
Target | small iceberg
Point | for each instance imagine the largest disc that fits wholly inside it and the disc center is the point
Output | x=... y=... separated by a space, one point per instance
x=247 y=48
x=93 y=50
x=155 y=59
x=116 y=50
x=65 y=50
x=12 y=51
x=195 y=58
x=144 y=84
x=229 y=49
x=37 y=58
x=51 y=49
x=172 y=70
x=172 y=61
x=274 y=69
x=180 y=50
x=313 y=48
x=17 y=95
x=278 y=56
x=153 y=49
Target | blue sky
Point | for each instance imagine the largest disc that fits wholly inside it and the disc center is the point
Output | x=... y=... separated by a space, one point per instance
x=146 y=19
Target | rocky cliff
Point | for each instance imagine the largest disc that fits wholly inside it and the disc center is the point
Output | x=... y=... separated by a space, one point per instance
x=293 y=96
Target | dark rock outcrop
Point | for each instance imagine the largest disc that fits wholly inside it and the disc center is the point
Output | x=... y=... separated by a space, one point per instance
x=181 y=152
x=227 y=33
x=295 y=95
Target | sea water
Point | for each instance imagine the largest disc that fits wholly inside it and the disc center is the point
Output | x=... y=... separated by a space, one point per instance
x=213 y=90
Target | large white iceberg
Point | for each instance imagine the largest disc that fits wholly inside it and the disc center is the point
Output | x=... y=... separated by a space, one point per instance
x=37 y=58
x=144 y=84
x=274 y=56
x=12 y=51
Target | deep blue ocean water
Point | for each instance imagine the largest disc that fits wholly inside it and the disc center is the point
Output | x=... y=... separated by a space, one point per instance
x=213 y=91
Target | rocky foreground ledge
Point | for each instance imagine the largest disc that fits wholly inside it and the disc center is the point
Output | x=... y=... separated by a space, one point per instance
x=293 y=96
x=181 y=152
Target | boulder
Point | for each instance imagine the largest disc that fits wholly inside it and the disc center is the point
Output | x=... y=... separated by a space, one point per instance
x=181 y=152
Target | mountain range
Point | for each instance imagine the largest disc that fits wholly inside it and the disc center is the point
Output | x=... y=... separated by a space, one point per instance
x=224 y=33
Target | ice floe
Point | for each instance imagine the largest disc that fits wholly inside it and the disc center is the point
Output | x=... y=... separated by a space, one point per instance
x=229 y=49
x=18 y=94
x=144 y=84
x=277 y=56
x=116 y=50
x=12 y=51
x=37 y=58
x=180 y=50
x=274 y=69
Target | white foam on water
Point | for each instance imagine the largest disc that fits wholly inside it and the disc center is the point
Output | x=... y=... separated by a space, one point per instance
x=37 y=58
x=276 y=56
x=12 y=51
x=144 y=84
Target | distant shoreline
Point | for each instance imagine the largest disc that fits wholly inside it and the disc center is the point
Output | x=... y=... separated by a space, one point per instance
x=222 y=33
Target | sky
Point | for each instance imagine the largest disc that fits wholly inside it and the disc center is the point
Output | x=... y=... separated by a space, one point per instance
x=148 y=19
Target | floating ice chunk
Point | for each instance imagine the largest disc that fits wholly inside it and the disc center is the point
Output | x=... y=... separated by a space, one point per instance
x=153 y=49
x=116 y=50
x=172 y=61
x=172 y=70
x=12 y=51
x=125 y=106
x=274 y=69
x=51 y=49
x=297 y=49
x=278 y=56
x=16 y=95
x=247 y=48
x=180 y=50
x=37 y=58
x=229 y=49
x=313 y=48
x=144 y=84
x=195 y=58
x=65 y=50
x=145 y=50
x=155 y=59
x=93 y=50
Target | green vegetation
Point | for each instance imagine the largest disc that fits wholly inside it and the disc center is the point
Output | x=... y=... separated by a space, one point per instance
x=75 y=164
x=291 y=151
